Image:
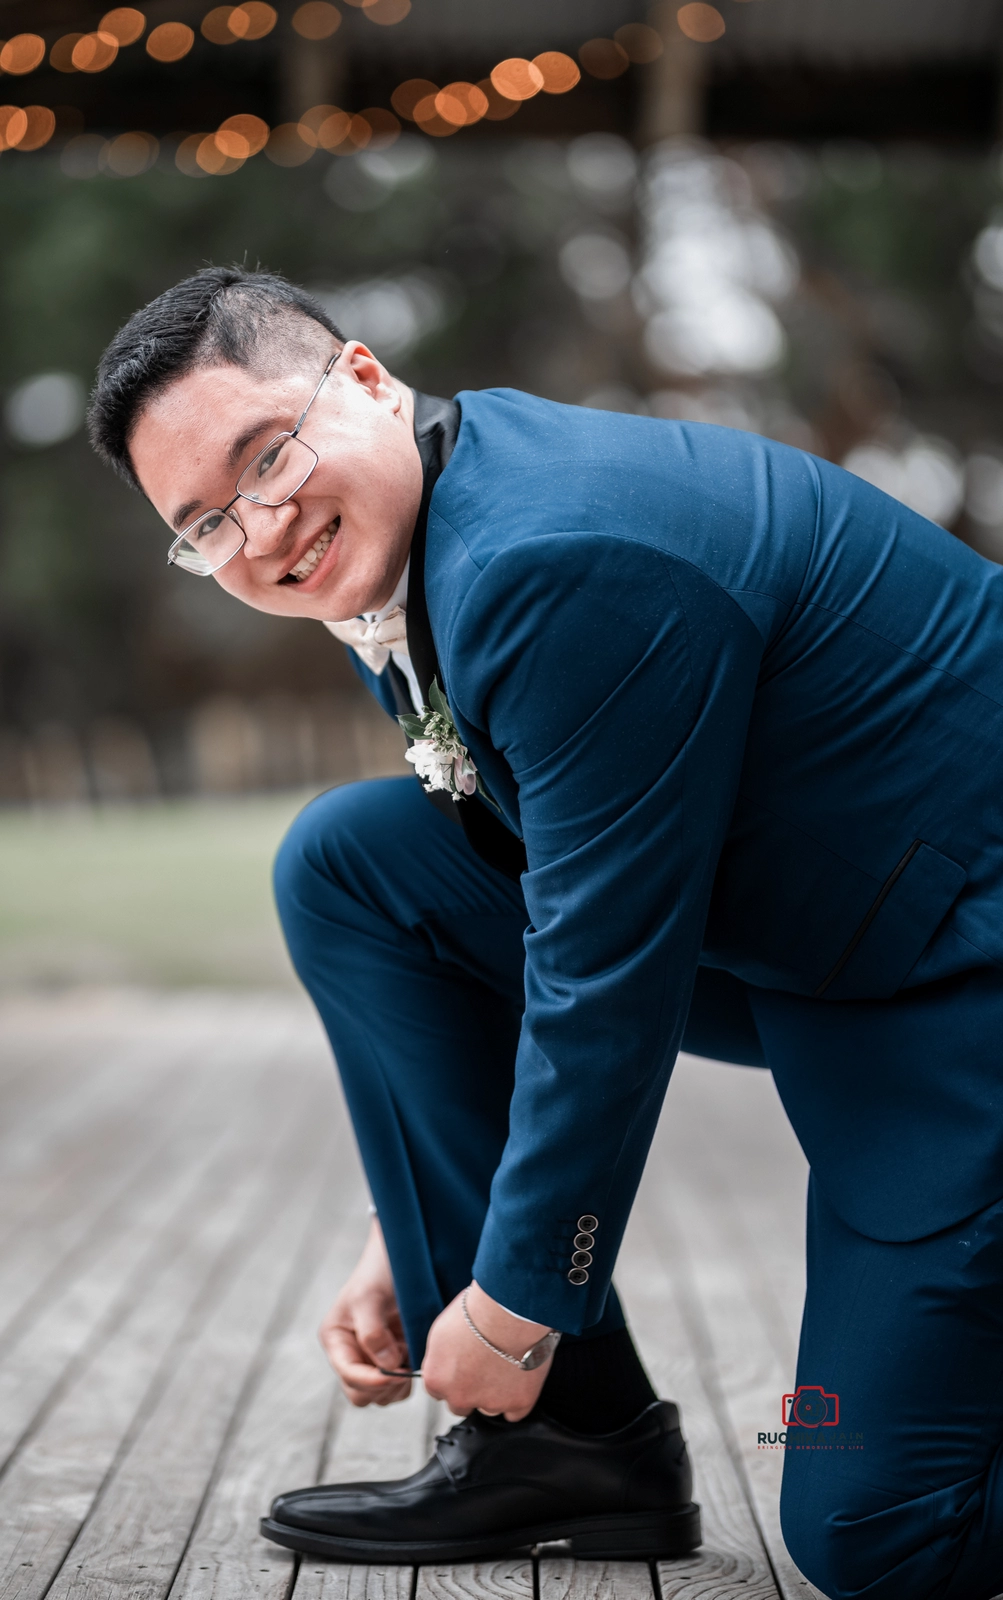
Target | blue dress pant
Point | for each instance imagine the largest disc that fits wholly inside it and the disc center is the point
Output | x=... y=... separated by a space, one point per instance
x=411 y=949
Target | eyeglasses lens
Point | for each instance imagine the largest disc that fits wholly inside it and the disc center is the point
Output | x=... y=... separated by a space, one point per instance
x=276 y=474
x=211 y=544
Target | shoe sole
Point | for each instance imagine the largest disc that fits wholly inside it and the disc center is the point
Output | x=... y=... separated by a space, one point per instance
x=625 y=1536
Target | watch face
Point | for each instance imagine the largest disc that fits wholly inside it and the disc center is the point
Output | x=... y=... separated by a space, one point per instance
x=541 y=1352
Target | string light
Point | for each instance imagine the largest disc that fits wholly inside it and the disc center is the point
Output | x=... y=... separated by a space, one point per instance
x=94 y=52
x=700 y=22
x=61 y=54
x=560 y=73
x=22 y=54
x=129 y=154
x=603 y=58
x=125 y=23
x=13 y=126
x=517 y=79
x=170 y=41
x=438 y=112
x=640 y=43
x=252 y=20
x=316 y=20
x=252 y=132
x=26 y=127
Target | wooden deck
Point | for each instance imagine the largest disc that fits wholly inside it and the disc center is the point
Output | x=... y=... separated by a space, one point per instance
x=179 y=1200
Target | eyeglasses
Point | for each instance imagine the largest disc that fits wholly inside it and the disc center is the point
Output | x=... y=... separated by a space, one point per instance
x=276 y=473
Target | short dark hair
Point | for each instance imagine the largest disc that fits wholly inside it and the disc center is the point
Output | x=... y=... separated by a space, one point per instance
x=221 y=315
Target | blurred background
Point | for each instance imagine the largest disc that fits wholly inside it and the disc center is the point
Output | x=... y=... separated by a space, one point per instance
x=780 y=215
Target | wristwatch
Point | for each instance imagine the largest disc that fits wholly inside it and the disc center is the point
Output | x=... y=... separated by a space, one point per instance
x=535 y=1356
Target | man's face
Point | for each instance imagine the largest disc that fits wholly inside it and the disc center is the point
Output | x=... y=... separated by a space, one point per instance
x=356 y=510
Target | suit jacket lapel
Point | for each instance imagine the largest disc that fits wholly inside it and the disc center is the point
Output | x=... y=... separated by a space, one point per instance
x=436 y=425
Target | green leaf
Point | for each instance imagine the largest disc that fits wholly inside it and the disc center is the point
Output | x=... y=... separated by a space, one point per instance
x=483 y=792
x=438 y=701
x=413 y=726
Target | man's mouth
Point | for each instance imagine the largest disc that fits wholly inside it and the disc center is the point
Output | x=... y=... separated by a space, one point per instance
x=308 y=562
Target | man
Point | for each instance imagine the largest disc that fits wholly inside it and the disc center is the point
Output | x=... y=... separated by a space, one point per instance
x=722 y=728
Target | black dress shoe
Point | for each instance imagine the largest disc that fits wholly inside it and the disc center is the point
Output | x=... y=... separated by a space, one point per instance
x=493 y=1487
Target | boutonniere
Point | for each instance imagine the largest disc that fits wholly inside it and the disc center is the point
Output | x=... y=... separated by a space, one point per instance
x=438 y=755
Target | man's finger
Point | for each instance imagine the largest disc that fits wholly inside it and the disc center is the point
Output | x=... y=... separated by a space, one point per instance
x=378 y=1340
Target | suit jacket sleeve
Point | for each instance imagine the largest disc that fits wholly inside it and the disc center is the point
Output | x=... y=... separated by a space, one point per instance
x=617 y=683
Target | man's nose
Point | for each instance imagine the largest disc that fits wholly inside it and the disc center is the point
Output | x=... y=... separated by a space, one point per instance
x=266 y=526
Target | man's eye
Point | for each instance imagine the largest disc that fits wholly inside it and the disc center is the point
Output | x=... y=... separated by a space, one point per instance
x=268 y=460
x=206 y=529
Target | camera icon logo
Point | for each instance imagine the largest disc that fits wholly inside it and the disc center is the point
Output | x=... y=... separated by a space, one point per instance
x=810 y=1407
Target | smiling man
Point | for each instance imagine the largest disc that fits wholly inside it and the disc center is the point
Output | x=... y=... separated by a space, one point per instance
x=713 y=736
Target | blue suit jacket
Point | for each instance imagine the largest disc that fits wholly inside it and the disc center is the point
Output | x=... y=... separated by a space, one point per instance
x=746 y=713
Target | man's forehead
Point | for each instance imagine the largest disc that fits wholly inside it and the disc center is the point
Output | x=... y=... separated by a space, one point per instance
x=183 y=439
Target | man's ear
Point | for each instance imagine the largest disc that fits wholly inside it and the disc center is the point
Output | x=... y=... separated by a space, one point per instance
x=360 y=365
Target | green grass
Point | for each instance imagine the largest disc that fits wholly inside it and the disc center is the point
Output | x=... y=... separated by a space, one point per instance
x=170 y=894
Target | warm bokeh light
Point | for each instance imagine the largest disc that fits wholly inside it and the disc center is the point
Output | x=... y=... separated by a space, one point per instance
x=251 y=130
x=640 y=43
x=429 y=121
x=40 y=125
x=333 y=131
x=286 y=146
x=94 y=52
x=387 y=12
x=316 y=20
x=215 y=26
x=253 y=19
x=130 y=154
x=125 y=23
x=559 y=72
x=61 y=54
x=23 y=53
x=461 y=103
x=170 y=41
x=603 y=58
x=407 y=95
x=312 y=121
x=13 y=126
x=383 y=125
x=517 y=79
x=700 y=22
x=185 y=157
x=215 y=161
x=359 y=132
x=499 y=108
x=232 y=145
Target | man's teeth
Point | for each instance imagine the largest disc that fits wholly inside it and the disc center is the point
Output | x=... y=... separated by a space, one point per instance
x=306 y=564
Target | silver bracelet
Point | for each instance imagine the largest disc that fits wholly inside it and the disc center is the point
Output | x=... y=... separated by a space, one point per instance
x=535 y=1356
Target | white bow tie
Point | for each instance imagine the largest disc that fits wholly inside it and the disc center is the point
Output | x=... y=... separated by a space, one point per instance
x=374 y=641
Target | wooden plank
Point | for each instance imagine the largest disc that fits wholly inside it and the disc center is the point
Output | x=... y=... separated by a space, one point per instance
x=483 y=1580
x=98 y=1174
x=116 y=1266
x=281 y=1440
x=141 y=1428
x=732 y=1561
x=594 y=1580
x=739 y=1340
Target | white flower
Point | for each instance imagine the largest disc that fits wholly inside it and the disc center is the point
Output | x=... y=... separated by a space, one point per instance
x=437 y=754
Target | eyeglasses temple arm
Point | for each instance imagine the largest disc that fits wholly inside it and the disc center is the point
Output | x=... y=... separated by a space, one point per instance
x=316 y=392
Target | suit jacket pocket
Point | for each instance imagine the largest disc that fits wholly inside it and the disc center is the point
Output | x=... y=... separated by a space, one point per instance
x=903 y=918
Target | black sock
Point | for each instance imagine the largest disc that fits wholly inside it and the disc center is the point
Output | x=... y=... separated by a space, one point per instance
x=596 y=1385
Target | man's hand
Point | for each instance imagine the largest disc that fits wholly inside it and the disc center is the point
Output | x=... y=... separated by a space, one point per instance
x=458 y=1369
x=363 y=1331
